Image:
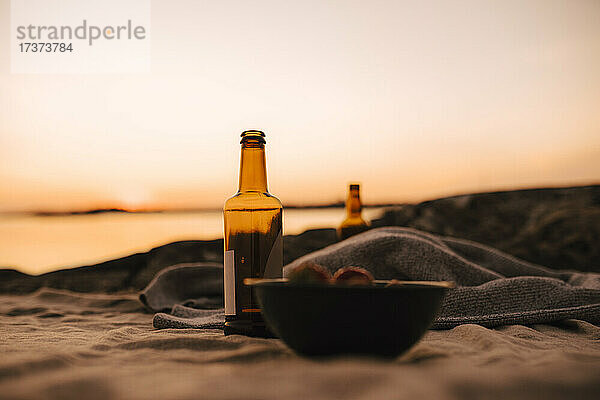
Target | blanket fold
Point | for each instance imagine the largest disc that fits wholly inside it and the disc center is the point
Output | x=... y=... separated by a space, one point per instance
x=493 y=288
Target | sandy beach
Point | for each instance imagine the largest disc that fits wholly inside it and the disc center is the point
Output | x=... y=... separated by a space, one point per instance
x=62 y=345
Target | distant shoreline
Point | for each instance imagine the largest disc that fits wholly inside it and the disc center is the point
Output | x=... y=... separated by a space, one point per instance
x=339 y=204
x=97 y=211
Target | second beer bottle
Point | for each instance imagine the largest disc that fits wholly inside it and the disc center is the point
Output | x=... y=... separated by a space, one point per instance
x=354 y=222
x=253 y=239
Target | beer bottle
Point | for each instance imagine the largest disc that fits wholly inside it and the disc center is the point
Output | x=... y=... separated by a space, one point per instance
x=253 y=239
x=353 y=223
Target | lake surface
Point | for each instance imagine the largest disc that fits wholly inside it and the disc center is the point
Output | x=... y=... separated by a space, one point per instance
x=38 y=244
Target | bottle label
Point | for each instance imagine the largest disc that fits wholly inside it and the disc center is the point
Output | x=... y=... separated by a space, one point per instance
x=229 y=282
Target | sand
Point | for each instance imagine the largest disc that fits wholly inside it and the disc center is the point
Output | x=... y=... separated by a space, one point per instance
x=63 y=345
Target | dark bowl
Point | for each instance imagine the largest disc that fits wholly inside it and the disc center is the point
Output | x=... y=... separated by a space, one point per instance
x=322 y=319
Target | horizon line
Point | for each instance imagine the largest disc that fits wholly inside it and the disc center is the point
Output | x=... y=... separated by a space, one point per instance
x=336 y=204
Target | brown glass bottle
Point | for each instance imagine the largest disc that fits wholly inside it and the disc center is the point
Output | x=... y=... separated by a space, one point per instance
x=253 y=239
x=354 y=223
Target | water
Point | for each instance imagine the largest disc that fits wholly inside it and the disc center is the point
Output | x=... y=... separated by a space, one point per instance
x=35 y=244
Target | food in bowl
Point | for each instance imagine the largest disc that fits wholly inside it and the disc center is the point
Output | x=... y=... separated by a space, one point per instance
x=351 y=276
x=309 y=272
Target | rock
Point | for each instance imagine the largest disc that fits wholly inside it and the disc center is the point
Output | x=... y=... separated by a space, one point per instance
x=134 y=272
x=557 y=228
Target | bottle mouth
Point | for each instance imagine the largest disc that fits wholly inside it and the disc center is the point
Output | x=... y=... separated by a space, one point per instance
x=354 y=186
x=253 y=135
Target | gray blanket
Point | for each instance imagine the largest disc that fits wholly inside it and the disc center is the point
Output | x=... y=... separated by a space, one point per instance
x=493 y=288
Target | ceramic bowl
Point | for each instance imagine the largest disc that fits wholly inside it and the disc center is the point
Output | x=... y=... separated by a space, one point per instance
x=324 y=319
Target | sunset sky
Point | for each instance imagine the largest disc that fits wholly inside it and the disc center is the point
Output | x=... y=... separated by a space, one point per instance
x=414 y=99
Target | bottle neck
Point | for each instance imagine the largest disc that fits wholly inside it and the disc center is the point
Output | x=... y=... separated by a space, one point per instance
x=353 y=205
x=253 y=170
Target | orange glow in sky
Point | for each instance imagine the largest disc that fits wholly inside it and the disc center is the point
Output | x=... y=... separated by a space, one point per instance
x=413 y=99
